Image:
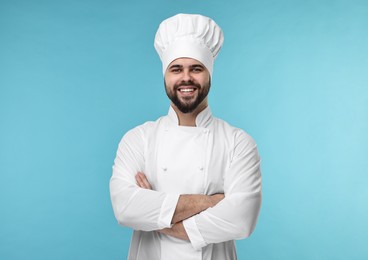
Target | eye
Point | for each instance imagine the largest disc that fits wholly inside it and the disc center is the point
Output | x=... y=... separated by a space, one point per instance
x=176 y=70
x=197 y=69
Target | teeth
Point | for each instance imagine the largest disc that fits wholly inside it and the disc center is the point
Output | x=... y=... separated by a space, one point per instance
x=186 y=89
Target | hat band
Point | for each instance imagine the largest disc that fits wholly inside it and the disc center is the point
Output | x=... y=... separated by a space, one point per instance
x=185 y=48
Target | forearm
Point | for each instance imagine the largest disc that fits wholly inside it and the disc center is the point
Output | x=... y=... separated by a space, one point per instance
x=190 y=205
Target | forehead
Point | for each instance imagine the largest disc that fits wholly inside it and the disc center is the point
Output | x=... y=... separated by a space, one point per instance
x=185 y=62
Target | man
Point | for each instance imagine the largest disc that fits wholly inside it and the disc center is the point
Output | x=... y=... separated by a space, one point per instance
x=188 y=183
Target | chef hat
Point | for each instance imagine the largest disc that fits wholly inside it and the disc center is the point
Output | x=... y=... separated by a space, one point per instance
x=188 y=36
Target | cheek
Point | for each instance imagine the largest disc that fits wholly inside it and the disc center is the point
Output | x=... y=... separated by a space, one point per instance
x=203 y=81
x=171 y=82
x=203 y=77
x=168 y=85
x=168 y=80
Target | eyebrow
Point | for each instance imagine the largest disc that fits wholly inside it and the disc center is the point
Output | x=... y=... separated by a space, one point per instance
x=175 y=66
x=181 y=66
x=197 y=66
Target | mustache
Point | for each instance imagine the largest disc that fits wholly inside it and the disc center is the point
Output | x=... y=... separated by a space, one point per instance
x=187 y=83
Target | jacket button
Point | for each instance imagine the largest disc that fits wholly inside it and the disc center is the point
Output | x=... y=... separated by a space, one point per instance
x=164 y=169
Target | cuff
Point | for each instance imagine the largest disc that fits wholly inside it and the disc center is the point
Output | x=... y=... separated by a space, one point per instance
x=167 y=210
x=193 y=233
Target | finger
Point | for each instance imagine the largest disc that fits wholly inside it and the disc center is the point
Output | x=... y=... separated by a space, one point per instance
x=139 y=180
x=142 y=181
x=146 y=184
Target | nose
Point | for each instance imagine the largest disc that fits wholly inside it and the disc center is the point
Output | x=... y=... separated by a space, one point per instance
x=186 y=75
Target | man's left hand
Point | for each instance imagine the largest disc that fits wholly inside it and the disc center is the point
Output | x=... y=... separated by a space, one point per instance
x=142 y=181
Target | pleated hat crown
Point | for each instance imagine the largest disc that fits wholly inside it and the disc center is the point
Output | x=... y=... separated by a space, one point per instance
x=188 y=36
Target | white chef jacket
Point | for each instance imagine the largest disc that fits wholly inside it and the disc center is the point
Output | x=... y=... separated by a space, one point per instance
x=213 y=157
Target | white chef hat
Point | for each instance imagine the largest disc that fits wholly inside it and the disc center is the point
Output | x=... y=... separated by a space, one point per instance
x=188 y=36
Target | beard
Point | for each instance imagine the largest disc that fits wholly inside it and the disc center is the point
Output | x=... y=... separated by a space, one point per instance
x=189 y=104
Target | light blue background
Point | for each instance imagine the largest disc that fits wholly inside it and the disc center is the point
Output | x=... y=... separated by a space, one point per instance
x=76 y=75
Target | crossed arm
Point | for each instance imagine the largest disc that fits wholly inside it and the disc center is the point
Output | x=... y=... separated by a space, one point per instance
x=187 y=206
x=137 y=206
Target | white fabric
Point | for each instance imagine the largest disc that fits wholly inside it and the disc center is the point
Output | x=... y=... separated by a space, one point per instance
x=188 y=36
x=213 y=157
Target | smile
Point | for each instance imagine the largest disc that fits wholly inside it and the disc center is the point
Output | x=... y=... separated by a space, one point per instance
x=186 y=90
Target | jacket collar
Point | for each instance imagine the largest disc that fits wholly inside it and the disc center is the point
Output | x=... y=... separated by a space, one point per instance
x=203 y=119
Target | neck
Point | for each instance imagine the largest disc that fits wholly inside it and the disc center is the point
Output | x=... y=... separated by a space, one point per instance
x=189 y=119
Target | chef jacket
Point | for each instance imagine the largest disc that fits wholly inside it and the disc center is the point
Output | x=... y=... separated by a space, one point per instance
x=211 y=158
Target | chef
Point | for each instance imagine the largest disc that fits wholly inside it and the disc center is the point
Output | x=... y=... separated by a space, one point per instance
x=189 y=184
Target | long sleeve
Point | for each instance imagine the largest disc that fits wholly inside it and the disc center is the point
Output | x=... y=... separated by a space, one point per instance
x=236 y=215
x=140 y=209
